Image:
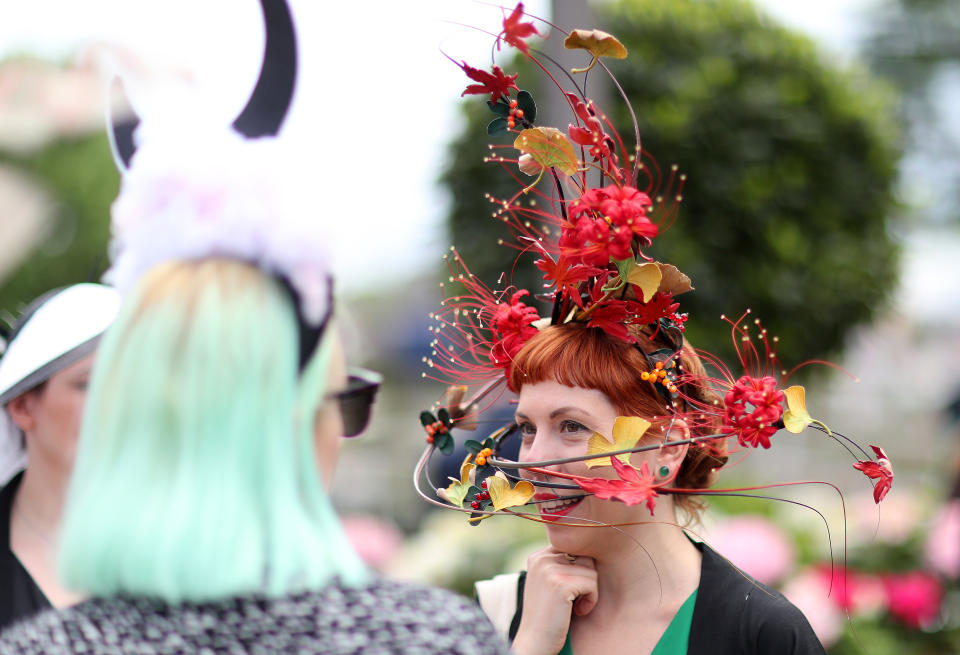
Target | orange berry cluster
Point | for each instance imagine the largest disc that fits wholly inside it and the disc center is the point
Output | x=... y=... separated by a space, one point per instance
x=659 y=374
x=483 y=455
x=515 y=114
x=437 y=427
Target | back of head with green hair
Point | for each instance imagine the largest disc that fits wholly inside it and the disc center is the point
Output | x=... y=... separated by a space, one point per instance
x=196 y=474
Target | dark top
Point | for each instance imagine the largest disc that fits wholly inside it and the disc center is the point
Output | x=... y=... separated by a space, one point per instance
x=735 y=615
x=20 y=596
x=378 y=618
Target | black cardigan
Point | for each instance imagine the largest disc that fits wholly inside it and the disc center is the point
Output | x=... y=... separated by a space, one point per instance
x=20 y=596
x=734 y=615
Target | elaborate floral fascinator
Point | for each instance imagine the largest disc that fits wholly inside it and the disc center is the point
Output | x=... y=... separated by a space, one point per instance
x=588 y=208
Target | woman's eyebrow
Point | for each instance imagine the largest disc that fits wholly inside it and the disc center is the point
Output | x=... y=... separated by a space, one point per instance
x=557 y=412
x=565 y=410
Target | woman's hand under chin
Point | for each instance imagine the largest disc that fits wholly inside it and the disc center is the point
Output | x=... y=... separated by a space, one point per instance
x=555 y=588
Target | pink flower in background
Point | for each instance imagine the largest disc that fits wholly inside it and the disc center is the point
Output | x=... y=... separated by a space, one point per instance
x=942 y=551
x=808 y=591
x=913 y=598
x=755 y=545
x=853 y=592
x=892 y=522
x=375 y=540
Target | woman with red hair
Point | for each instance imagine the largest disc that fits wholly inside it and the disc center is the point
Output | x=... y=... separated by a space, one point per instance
x=641 y=581
x=622 y=423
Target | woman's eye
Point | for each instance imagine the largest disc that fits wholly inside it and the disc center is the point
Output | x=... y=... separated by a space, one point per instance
x=527 y=429
x=572 y=426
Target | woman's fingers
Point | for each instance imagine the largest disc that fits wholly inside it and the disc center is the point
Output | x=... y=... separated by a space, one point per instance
x=584 y=569
x=585 y=603
x=557 y=583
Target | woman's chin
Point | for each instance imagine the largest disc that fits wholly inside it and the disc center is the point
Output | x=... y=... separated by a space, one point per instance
x=570 y=538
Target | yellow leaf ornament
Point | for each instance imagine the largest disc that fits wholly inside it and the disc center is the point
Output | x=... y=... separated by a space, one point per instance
x=796 y=418
x=645 y=277
x=457 y=491
x=596 y=42
x=548 y=147
x=503 y=496
x=627 y=431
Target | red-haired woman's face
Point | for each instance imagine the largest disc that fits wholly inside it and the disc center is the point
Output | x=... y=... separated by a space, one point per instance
x=556 y=421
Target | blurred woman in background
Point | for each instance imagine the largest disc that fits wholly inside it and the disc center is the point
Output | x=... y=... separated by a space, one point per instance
x=43 y=382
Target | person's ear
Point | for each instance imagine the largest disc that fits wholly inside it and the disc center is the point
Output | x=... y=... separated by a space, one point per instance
x=670 y=458
x=21 y=411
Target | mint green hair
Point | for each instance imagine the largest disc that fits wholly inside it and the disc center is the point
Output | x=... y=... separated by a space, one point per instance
x=196 y=472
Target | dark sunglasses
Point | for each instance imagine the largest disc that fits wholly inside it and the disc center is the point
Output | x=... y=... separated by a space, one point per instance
x=355 y=401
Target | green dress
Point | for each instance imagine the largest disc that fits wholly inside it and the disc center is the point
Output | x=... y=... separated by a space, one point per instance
x=674 y=639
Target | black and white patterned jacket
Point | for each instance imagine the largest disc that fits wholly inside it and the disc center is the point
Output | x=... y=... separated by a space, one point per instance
x=378 y=618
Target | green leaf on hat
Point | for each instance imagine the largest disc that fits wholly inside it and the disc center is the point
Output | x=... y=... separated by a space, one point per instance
x=497 y=127
x=529 y=107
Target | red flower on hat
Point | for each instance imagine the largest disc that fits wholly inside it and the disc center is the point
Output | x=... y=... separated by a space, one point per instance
x=496 y=83
x=514 y=31
x=603 y=223
x=594 y=242
x=600 y=145
x=880 y=470
x=632 y=488
x=627 y=206
x=511 y=323
x=752 y=408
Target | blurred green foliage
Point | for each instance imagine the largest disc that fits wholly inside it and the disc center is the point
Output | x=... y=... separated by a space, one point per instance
x=788 y=205
x=79 y=176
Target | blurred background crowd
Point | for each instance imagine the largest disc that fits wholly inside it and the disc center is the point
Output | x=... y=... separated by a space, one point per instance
x=821 y=146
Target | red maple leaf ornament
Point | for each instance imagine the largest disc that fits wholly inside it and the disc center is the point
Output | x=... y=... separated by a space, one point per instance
x=611 y=317
x=514 y=31
x=496 y=83
x=660 y=306
x=880 y=470
x=632 y=488
x=565 y=275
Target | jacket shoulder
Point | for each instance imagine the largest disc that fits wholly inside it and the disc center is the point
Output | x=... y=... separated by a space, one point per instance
x=744 y=615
